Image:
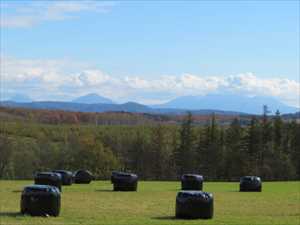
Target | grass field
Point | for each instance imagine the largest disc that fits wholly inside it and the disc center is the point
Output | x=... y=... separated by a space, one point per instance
x=154 y=203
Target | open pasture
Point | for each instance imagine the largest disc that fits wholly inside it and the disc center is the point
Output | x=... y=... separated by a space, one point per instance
x=154 y=203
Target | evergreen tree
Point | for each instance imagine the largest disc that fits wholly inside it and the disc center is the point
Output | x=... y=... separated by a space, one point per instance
x=184 y=155
x=171 y=172
x=235 y=151
x=277 y=131
x=5 y=154
x=222 y=164
x=158 y=152
x=137 y=155
x=294 y=127
x=266 y=150
x=266 y=147
x=210 y=150
x=253 y=143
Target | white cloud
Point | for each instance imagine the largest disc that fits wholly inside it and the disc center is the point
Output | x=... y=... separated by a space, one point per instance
x=54 y=80
x=286 y=90
x=28 y=14
x=93 y=77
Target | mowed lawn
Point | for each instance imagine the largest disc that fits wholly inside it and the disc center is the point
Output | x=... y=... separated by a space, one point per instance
x=154 y=203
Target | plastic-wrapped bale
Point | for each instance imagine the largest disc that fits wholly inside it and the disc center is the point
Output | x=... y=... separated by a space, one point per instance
x=48 y=178
x=67 y=176
x=192 y=182
x=194 y=205
x=83 y=177
x=40 y=200
x=124 y=181
x=250 y=183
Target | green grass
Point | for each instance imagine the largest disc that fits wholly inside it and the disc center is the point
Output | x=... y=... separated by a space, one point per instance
x=154 y=203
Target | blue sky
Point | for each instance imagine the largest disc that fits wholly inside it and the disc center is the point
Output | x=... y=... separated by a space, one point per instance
x=134 y=45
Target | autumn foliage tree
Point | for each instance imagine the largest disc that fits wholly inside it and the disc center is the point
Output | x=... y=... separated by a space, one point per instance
x=267 y=146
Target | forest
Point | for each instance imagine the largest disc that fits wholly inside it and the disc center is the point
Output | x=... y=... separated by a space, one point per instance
x=264 y=146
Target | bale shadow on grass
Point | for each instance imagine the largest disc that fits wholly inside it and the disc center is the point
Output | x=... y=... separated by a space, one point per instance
x=104 y=190
x=171 y=218
x=164 y=218
x=16 y=191
x=10 y=214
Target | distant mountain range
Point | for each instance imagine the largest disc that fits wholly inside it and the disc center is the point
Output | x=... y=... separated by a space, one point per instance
x=227 y=102
x=80 y=107
x=126 y=107
x=92 y=99
x=219 y=104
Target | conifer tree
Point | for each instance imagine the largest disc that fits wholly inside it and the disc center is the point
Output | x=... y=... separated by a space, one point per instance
x=5 y=153
x=277 y=132
x=235 y=151
x=209 y=149
x=184 y=155
x=294 y=127
x=266 y=149
x=158 y=153
x=253 y=143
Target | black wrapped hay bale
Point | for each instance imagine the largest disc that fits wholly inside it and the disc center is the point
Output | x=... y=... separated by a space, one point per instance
x=250 y=183
x=40 y=200
x=124 y=181
x=83 y=177
x=192 y=182
x=67 y=176
x=194 y=205
x=48 y=178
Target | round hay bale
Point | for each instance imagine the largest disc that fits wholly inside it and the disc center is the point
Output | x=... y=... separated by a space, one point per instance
x=250 y=183
x=83 y=177
x=48 y=178
x=124 y=181
x=194 y=205
x=40 y=200
x=67 y=176
x=192 y=182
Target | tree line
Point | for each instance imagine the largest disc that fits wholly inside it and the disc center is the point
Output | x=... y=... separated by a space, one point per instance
x=110 y=118
x=266 y=147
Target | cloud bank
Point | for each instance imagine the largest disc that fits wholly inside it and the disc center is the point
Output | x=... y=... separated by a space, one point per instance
x=54 y=80
x=27 y=14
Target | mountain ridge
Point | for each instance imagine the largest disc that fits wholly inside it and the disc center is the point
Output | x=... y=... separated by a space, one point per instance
x=219 y=104
x=92 y=98
x=125 y=107
x=228 y=102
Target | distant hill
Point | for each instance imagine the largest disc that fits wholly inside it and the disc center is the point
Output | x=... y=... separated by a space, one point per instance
x=126 y=107
x=198 y=105
x=237 y=103
x=295 y=115
x=80 y=107
x=54 y=116
x=92 y=99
